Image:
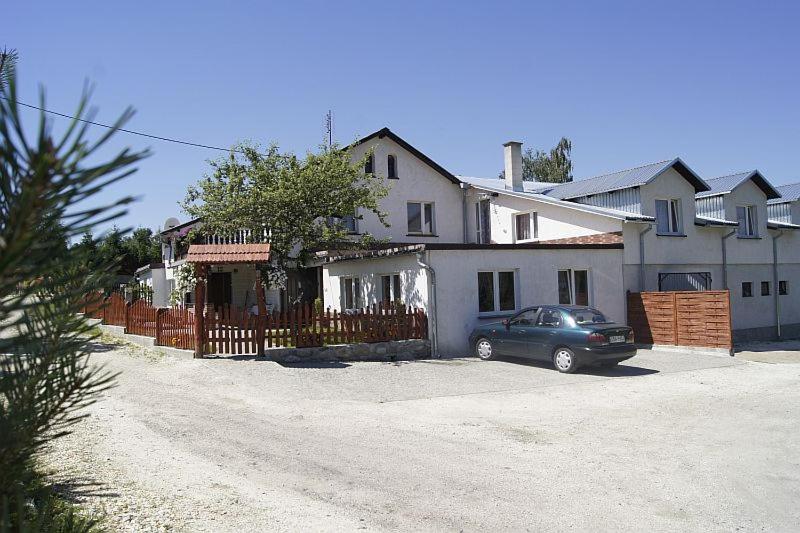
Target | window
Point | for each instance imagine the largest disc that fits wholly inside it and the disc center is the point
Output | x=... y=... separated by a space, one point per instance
x=420 y=218
x=348 y=222
x=526 y=226
x=668 y=217
x=765 y=288
x=483 y=223
x=746 y=216
x=684 y=281
x=351 y=293
x=783 y=288
x=391 y=167
x=550 y=318
x=573 y=287
x=369 y=164
x=497 y=291
x=526 y=318
x=390 y=288
x=588 y=316
x=747 y=289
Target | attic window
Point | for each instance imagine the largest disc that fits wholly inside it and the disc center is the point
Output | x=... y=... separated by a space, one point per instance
x=369 y=164
x=391 y=167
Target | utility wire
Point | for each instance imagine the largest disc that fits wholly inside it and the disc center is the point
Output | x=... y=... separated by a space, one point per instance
x=132 y=132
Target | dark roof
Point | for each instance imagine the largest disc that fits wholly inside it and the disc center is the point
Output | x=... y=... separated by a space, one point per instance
x=726 y=184
x=386 y=132
x=401 y=249
x=624 y=179
x=789 y=193
x=217 y=254
x=180 y=226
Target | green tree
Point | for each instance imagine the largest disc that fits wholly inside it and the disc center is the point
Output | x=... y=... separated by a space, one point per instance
x=140 y=248
x=45 y=378
x=8 y=63
x=293 y=201
x=551 y=167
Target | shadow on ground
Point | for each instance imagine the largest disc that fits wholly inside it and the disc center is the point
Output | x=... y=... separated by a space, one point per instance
x=621 y=370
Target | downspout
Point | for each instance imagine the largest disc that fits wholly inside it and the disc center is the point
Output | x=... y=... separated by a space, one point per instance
x=725 y=259
x=775 y=281
x=464 y=189
x=434 y=329
x=641 y=255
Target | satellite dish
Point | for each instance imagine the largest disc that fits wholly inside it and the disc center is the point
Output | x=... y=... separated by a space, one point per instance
x=170 y=223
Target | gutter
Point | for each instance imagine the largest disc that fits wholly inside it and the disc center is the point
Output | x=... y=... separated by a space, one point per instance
x=434 y=330
x=775 y=281
x=725 y=259
x=641 y=255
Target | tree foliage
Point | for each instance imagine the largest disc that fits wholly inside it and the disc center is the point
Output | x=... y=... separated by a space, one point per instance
x=554 y=166
x=288 y=200
x=45 y=378
x=128 y=251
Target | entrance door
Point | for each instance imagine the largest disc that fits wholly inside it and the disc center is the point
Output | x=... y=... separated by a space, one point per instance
x=219 y=289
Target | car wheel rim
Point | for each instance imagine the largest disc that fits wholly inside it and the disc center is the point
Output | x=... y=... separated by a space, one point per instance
x=563 y=359
x=484 y=349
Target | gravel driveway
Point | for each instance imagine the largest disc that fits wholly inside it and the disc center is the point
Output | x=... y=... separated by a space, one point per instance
x=667 y=442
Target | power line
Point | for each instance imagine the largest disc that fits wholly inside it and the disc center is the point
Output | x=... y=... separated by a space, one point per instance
x=132 y=132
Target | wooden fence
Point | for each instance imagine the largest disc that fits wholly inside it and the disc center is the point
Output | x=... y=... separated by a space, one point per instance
x=230 y=330
x=690 y=318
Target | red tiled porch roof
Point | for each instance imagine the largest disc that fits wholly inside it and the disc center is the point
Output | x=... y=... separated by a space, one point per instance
x=600 y=238
x=218 y=254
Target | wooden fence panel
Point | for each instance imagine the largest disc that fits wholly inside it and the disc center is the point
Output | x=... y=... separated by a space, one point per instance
x=176 y=328
x=114 y=313
x=142 y=319
x=682 y=318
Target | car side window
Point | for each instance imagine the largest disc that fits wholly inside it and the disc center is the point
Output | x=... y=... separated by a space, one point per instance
x=550 y=318
x=526 y=318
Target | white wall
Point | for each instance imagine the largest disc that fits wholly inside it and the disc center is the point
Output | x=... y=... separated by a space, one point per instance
x=457 y=283
x=416 y=181
x=555 y=222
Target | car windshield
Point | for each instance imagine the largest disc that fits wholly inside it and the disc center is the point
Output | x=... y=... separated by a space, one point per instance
x=588 y=316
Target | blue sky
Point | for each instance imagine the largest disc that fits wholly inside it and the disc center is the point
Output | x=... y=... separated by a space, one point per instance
x=628 y=82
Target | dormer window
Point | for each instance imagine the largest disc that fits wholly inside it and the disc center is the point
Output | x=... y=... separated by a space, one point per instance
x=668 y=217
x=391 y=167
x=746 y=216
x=369 y=164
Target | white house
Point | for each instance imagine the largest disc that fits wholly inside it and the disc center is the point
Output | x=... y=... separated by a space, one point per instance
x=469 y=249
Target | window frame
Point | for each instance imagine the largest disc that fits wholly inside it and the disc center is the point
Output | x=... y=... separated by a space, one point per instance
x=395 y=287
x=533 y=225
x=750 y=219
x=369 y=164
x=496 y=294
x=749 y=292
x=355 y=290
x=766 y=288
x=483 y=228
x=391 y=167
x=783 y=287
x=674 y=210
x=572 y=286
x=423 y=218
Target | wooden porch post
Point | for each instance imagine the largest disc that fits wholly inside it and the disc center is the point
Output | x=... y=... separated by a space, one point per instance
x=261 y=323
x=199 y=310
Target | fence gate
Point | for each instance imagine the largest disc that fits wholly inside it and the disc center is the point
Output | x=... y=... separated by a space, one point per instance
x=681 y=318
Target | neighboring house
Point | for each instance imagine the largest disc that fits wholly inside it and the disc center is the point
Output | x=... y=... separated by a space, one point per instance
x=470 y=249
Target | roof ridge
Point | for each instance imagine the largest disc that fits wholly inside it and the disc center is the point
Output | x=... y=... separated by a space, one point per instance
x=748 y=172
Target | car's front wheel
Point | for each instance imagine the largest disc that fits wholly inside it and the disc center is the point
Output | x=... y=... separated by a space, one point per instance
x=484 y=349
x=564 y=360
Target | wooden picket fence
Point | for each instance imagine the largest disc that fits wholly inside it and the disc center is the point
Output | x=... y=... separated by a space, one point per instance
x=229 y=330
x=93 y=305
x=681 y=318
x=115 y=310
x=142 y=319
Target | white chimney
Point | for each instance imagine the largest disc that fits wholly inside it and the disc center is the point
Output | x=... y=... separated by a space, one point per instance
x=513 y=165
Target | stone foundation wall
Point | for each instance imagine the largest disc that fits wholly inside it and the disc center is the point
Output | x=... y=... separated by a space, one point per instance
x=407 y=350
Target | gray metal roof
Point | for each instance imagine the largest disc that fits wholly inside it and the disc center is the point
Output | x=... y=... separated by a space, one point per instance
x=701 y=220
x=789 y=193
x=726 y=184
x=531 y=191
x=624 y=179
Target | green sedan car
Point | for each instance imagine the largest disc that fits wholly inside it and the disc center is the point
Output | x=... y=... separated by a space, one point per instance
x=570 y=336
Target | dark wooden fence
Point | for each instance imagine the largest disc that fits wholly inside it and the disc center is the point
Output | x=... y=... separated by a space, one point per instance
x=229 y=330
x=690 y=318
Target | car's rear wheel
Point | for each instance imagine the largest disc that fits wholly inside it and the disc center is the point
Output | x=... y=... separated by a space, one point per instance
x=564 y=360
x=484 y=349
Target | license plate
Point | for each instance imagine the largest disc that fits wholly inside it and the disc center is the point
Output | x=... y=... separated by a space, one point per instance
x=617 y=338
